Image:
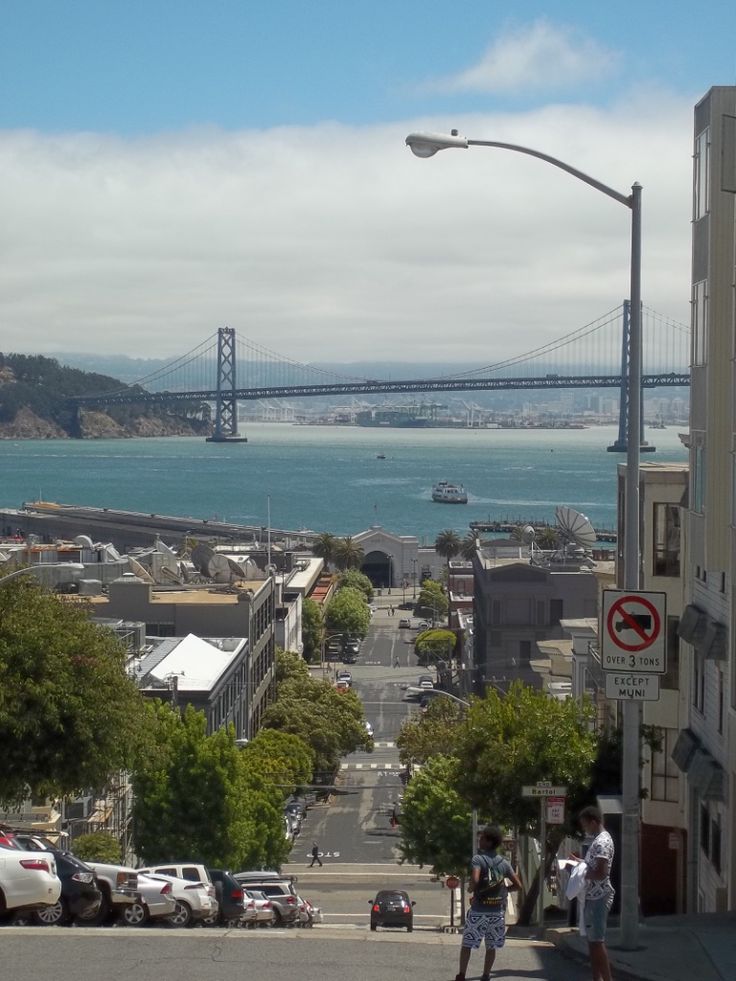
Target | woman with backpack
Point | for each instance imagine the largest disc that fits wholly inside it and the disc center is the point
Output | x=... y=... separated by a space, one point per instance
x=486 y=918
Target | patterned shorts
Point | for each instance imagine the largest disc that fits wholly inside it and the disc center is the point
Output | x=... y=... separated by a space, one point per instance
x=490 y=927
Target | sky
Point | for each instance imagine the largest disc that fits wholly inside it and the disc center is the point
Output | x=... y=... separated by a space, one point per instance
x=167 y=168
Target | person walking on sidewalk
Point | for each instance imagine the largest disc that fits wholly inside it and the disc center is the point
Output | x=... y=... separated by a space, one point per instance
x=315 y=855
x=599 y=892
x=486 y=918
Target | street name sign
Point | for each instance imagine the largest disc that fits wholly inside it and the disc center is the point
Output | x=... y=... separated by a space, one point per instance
x=543 y=790
x=632 y=686
x=633 y=635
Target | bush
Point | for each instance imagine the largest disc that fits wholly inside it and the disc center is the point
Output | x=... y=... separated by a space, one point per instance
x=100 y=846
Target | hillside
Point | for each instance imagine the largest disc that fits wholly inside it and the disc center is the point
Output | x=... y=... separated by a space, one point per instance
x=33 y=405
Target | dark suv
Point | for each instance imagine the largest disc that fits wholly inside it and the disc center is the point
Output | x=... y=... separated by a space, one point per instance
x=81 y=897
x=392 y=907
x=230 y=897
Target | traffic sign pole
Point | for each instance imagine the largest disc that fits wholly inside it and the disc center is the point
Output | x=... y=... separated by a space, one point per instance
x=542 y=861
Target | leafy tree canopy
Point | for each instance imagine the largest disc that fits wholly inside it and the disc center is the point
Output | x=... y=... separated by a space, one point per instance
x=521 y=738
x=356 y=580
x=99 y=846
x=469 y=546
x=69 y=714
x=348 y=554
x=434 y=645
x=432 y=734
x=348 y=613
x=285 y=760
x=432 y=600
x=436 y=823
x=289 y=666
x=329 y=721
x=198 y=795
x=312 y=629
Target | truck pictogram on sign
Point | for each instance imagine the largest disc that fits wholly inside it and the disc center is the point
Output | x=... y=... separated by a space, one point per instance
x=632 y=635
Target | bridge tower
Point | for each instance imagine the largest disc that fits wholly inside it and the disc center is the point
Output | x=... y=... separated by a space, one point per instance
x=621 y=443
x=226 y=405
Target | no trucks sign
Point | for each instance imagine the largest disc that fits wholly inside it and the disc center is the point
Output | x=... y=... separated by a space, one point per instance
x=633 y=631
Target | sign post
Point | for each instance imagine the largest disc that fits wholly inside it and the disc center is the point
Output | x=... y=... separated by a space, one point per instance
x=544 y=791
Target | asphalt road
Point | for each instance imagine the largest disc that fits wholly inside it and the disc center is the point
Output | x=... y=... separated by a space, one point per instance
x=321 y=954
x=360 y=849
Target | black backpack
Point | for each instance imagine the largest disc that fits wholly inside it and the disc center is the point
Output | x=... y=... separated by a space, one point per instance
x=491 y=882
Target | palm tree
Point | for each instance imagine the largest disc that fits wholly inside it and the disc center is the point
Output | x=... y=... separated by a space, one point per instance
x=324 y=546
x=347 y=554
x=469 y=546
x=447 y=544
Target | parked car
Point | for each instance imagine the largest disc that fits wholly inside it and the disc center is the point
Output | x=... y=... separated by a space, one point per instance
x=279 y=889
x=194 y=901
x=404 y=623
x=349 y=657
x=155 y=901
x=309 y=914
x=231 y=901
x=345 y=676
x=342 y=685
x=119 y=887
x=368 y=728
x=81 y=898
x=392 y=907
x=28 y=882
x=296 y=806
x=425 y=681
x=265 y=915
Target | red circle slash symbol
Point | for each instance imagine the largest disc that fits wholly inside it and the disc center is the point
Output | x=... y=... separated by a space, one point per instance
x=644 y=623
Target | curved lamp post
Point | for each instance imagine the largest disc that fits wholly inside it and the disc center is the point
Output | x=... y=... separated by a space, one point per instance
x=426 y=145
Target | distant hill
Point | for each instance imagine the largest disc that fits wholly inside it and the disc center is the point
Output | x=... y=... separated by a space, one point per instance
x=33 y=405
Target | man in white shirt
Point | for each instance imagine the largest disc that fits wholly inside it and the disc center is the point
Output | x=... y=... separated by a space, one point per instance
x=598 y=890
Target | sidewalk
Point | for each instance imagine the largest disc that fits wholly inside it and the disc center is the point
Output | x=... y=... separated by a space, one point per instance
x=701 y=947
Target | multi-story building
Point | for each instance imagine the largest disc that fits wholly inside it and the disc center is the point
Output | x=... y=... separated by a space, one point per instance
x=706 y=749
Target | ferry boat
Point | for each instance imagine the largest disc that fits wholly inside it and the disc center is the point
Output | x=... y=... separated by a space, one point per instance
x=446 y=493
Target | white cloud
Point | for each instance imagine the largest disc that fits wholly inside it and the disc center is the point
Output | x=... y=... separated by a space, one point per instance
x=540 y=57
x=334 y=243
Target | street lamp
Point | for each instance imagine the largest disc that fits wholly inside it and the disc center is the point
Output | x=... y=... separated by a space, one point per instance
x=426 y=145
x=414 y=576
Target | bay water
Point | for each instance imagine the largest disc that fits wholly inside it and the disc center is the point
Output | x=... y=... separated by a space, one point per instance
x=334 y=479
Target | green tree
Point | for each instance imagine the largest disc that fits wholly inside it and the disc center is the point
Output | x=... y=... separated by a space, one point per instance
x=289 y=666
x=505 y=742
x=447 y=544
x=324 y=546
x=284 y=760
x=199 y=795
x=312 y=629
x=547 y=538
x=436 y=823
x=469 y=546
x=356 y=580
x=432 y=600
x=99 y=846
x=434 y=645
x=435 y=733
x=348 y=554
x=347 y=613
x=329 y=721
x=69 y=714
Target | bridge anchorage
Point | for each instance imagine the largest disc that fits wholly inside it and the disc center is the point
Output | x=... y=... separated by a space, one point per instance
x=226 y=403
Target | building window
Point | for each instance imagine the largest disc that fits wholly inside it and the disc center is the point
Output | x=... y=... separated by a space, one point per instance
x=664 y=772
x=698 y=478
x=666 y=540
x=715 y=843
x=555 y=611
x=699 y=319
x=701 y=175
x=698 y=682
x=671 y=679
x=704 y=829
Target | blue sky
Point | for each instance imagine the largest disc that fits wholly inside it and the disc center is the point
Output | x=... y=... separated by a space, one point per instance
x=169 y=167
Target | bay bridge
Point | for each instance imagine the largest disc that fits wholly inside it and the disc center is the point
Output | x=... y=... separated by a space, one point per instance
x=225 y=369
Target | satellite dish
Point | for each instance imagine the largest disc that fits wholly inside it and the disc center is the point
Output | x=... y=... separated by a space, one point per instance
x=84 y=541
x=575 y=527
x=201 y=555
x=139 y=571
x=211 y=564
x=237 y=570
x=527 y=534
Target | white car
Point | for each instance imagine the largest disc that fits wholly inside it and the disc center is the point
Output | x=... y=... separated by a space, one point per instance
x=28 y=880
x=368 y=728
x=194 y=900
x=156 y=901
x=265 y=915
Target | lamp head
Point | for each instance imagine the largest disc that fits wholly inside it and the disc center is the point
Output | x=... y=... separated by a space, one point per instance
x=427 y=144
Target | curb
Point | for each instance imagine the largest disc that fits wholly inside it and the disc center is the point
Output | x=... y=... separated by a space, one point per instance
x=572 y=954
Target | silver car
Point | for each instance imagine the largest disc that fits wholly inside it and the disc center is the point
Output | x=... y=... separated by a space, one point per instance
x=156 y=901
